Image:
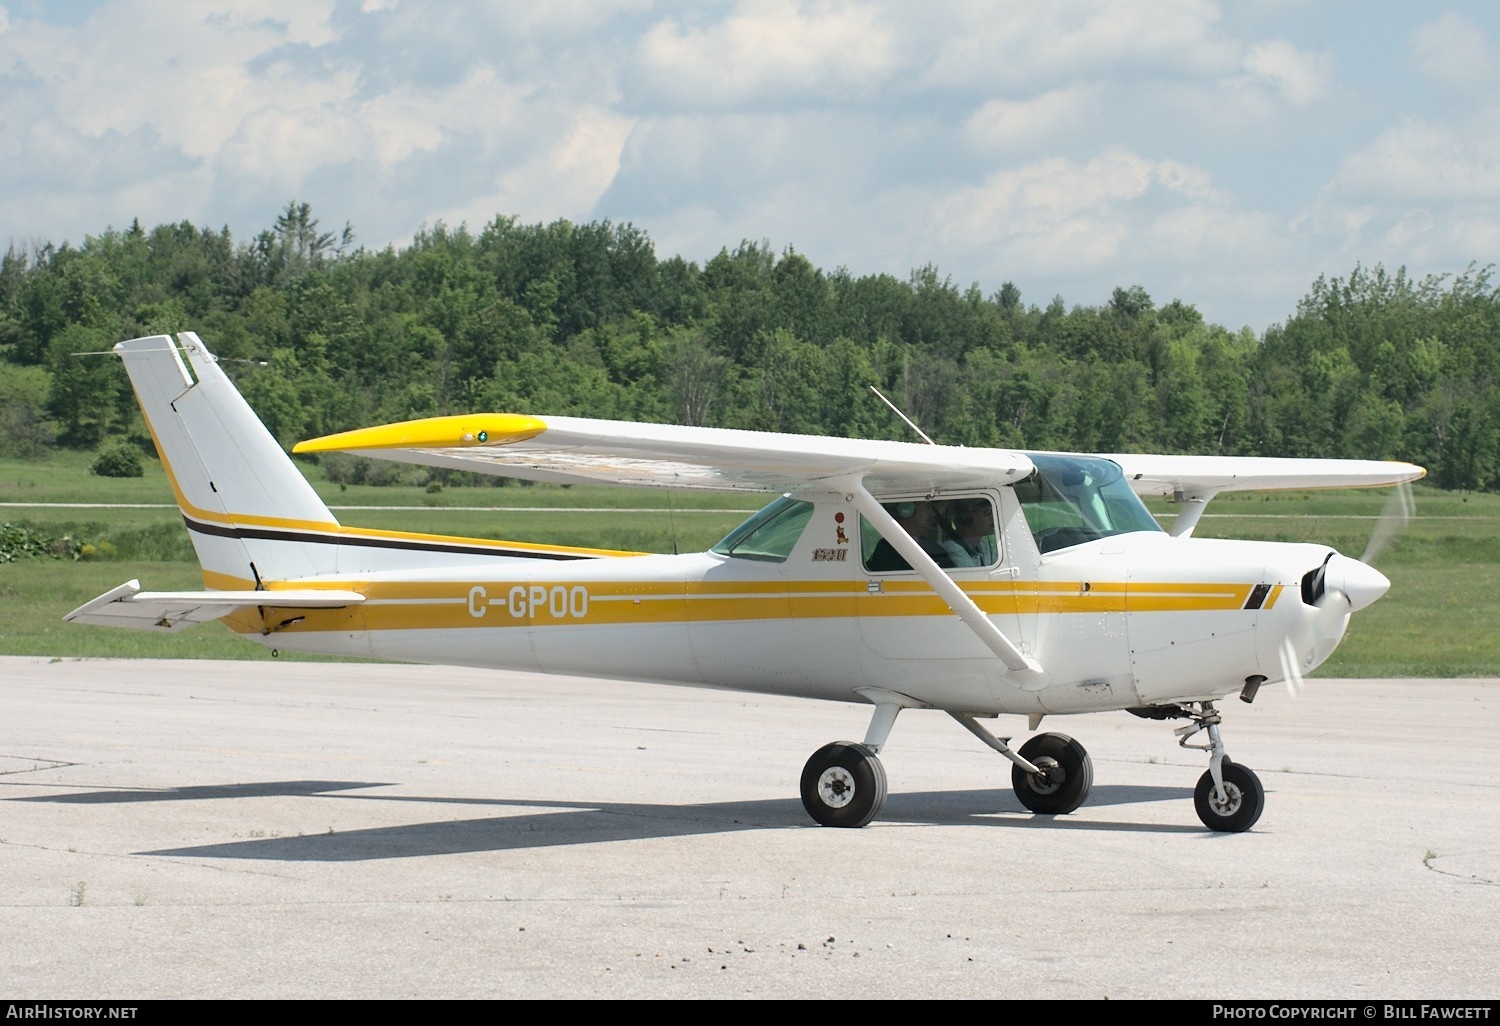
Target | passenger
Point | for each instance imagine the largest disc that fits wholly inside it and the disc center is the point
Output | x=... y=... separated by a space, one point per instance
x=920 y=520
x=974 y=530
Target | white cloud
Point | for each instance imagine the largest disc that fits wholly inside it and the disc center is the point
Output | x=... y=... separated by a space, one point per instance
x=1456 y=52
x=562 y=178
x=299 y=21
x=1083 y=227
x=1011 y=125
x=772 y=51
x=190 y=78
x=1022 y=44
x=1059 y=203
x=1300 y=77
x=1420 y=161
x=281 y=148
x=482 y=106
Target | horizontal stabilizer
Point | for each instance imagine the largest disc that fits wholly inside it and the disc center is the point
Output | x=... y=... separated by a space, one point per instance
x=128 y=606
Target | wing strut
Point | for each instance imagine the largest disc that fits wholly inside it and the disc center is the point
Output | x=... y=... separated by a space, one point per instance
x=1192 y=509
x=948 y=590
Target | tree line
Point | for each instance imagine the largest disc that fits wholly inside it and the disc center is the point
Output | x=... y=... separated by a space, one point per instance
x=587 y=320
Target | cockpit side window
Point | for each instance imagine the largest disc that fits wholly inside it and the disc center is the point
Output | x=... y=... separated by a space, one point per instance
x=770 y=535
x=957 y=533
x=1070 y=500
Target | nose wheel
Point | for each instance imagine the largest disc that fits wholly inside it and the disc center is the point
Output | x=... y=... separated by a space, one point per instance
x=1234 y=809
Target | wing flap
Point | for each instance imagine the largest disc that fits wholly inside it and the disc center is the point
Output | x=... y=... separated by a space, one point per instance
x=582 y=450
x=167 y=611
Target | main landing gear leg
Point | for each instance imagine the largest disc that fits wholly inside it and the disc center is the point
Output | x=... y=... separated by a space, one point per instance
x=1051 y=774
x=1229 y=797
x=843 y=784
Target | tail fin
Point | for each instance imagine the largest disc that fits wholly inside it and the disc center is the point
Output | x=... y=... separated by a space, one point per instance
x=252 y=515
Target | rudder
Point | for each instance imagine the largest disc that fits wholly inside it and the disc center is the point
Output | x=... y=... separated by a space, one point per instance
x=251 y=514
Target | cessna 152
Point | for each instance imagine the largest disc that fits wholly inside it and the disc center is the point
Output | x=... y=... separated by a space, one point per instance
x=980 y=582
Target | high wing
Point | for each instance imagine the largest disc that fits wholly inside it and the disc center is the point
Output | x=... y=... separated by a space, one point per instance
x=575 y=450
x=1194 y=477
x=581 y=450
x=128 y=606
x=1194 y=480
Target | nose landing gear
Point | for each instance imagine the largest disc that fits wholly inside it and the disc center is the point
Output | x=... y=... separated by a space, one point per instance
x=1229 y=797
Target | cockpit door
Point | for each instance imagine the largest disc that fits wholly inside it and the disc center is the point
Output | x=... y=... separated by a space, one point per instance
x=901 y=617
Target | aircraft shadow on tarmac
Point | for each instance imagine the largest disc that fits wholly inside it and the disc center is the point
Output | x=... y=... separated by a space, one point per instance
x=269 y=789
x=544 y=823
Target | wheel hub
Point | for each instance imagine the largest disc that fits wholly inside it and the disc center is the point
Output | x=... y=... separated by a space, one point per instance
x=1231 y=803
x=836 y=787
x=1051 y=777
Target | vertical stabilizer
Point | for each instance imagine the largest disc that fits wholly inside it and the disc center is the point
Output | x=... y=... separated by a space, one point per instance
x=252 y=515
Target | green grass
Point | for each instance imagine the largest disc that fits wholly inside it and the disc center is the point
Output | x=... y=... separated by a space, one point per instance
x=35 y=594
x=64 y=477
x=1438 y=620
x=1441 y=617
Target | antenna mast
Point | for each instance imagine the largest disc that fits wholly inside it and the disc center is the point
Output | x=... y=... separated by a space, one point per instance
x=897 y=411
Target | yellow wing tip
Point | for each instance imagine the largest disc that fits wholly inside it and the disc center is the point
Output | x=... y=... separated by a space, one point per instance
x=460 y=431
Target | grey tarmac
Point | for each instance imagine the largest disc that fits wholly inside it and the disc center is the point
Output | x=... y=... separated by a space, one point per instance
x=268 y=829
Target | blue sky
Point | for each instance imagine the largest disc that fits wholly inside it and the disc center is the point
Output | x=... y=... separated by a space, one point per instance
x=1225 y=154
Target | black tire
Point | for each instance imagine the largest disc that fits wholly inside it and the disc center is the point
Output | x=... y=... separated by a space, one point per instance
x=1068 y=773
x=843 y=785
x=1247 y=798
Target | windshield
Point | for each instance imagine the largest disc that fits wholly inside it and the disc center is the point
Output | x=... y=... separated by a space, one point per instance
x=1070 y=500
x=769 y=535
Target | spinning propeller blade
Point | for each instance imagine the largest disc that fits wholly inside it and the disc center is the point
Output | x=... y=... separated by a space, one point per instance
x=1394 y=516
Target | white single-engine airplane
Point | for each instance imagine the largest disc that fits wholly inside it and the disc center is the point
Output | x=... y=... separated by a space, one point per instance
x=980 y=582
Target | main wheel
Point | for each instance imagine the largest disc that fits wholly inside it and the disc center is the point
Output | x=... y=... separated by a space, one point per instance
x=843 y=785
x=1244 y=799
x=1067 y=774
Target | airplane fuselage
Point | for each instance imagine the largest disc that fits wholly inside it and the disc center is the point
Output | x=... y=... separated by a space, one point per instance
x=1125 y=621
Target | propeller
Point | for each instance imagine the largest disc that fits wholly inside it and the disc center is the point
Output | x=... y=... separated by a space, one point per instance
x=1397 y=512
x=1329 y=590
x=1340 y=587
x=1291 y=673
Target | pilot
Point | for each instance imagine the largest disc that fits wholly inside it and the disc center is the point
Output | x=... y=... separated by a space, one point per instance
x=974 y=530
x=920 y=520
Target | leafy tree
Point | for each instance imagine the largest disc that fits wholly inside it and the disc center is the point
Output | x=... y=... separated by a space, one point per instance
x=85 y=389
x=118 y=459
x=25 y=430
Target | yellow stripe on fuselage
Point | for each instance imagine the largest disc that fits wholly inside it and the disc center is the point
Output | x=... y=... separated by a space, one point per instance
x=449 y=605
